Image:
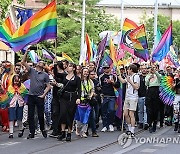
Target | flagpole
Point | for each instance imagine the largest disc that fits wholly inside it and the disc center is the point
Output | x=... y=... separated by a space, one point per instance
x=55 y=44
x=155 y=22
x=122 y=13
x=83 y=25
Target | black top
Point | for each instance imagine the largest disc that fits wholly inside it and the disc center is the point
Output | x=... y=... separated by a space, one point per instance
x=58 y=80
x=108 y=88
x=74 y=84
x=142 y=89
x=177 y=87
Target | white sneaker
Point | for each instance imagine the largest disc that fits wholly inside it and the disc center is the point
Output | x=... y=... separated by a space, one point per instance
x=104 y=129
x=111 y=128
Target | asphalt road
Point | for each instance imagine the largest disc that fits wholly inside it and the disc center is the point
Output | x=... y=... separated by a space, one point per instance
x=106 y=143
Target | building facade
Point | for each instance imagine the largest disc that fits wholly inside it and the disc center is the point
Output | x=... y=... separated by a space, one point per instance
x=136 y=12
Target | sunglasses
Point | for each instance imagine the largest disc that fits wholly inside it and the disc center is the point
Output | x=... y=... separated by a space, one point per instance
x=106 y=67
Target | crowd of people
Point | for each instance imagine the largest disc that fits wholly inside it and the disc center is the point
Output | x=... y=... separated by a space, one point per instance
x=64 y=97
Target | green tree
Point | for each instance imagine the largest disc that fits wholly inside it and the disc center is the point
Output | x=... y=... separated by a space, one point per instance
x=163 y=23
x=69 y=25
x=4 y=7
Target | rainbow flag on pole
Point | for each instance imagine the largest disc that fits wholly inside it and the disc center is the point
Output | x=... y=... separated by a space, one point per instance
x=39 y=27
x=139 y=40
x=126 y=43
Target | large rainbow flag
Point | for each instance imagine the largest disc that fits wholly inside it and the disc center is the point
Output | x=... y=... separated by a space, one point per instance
x=39 y=27
x=164 y=45
x=6 y=31
x=126 y=43
x=139 y=40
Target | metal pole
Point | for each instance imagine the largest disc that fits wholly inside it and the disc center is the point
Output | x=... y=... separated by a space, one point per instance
x=122 y=13
x=155 y=22
x=83 y=25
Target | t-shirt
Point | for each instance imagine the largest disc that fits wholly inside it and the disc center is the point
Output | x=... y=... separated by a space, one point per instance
x=38 y=82
x=130 y=91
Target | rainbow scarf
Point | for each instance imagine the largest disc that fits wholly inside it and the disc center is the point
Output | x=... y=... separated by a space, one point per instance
x=167 y=95
x=39 y=27
x=139 y=40
x=19 y=90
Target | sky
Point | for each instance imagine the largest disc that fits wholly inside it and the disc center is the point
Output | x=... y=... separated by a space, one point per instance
x=140 y=2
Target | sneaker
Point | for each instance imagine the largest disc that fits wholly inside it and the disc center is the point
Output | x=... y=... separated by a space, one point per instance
x=53 y=134
x=95 y=135
x=21 y=132
x=176 y=126
x=132 y=135
x=11 y=135
x=44 y=133
x=151 y=129
x=146 y=126
x=30 y=136
x=140 y=126
x=104 y=129
x=111 y=128
x=83 y=135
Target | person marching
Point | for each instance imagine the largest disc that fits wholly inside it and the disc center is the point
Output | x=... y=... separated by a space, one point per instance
x=17 y=93
x=131 y=97
x=69 y=97
x=39 y=87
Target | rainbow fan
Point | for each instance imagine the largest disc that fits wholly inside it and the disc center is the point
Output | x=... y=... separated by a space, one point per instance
x=167 y=94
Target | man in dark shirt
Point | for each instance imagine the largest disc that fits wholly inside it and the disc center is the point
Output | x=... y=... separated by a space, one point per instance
x=39 y=87
x=142 y=114
x=176 y=103
x=108 y=82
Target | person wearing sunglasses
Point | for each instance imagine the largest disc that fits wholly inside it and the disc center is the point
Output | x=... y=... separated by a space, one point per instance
x=108 y=82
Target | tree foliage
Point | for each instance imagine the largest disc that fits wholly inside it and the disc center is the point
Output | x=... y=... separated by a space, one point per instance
x=4 y=7
x=69 y=25
x=163 y=23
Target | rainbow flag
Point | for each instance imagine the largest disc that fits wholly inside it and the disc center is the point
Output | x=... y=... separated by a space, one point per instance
x=89 y=48
x=126 y=43
x=6 y=31
x=65 y=56
x=39 y=27
x=139 y=40
x=164 y=45
x=113 y=52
